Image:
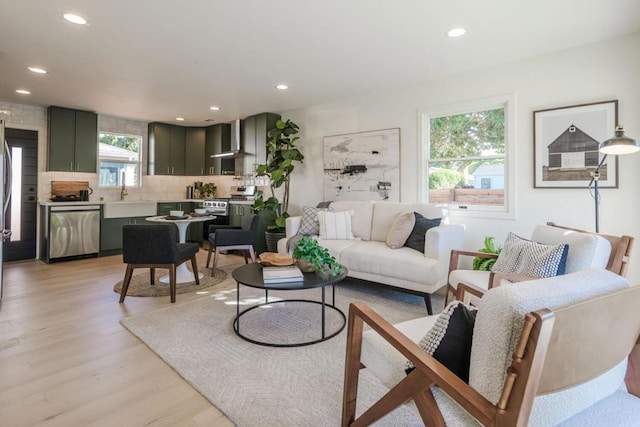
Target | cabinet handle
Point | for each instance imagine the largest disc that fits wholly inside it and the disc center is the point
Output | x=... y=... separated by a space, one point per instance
x=201 y=171
x=71 y=166
x=172 y=172
x=77 y=166
x=168 y=170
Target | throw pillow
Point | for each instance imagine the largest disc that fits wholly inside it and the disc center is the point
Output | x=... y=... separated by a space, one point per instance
x=449 y=340
x=416 y=238
x=529 y=258
x=335 y=225
x=309 y=225
x=400 y=230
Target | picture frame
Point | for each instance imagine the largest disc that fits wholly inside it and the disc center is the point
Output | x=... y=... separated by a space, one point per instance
x=362 y=166
x=566 y=143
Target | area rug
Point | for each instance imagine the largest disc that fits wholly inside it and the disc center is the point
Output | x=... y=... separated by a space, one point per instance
x=140 y=285
x=257 y=385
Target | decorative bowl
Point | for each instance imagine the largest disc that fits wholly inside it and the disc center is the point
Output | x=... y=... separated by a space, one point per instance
x=200 y=211
x=176 y=214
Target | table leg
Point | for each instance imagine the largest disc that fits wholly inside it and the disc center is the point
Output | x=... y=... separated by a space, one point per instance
x=238 y=306
x=323 y=304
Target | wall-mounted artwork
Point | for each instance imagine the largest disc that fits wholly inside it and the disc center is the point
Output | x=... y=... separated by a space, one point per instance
x=362 y=166
x=566 y=145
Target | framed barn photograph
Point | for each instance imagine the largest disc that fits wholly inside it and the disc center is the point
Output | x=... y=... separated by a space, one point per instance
x=566 y=142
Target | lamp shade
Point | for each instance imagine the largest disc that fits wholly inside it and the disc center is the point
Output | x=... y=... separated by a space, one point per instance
x=619 y=144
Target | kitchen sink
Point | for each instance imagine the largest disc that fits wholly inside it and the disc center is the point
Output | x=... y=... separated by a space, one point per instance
x=130 y=208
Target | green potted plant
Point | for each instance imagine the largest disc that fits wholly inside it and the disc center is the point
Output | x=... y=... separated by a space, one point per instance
x=485 y=264
x=308 y=250
x=282 y=154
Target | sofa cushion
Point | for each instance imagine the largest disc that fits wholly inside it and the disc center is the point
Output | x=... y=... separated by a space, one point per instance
x=377 y=259
x=400 y=230
x=499 y=324
x=362 y=215
x=309 y=225
x=384 y=213
x=585 y=250
x=522 y=256
x=417 y=236
x=335 y=225
x=449 y=340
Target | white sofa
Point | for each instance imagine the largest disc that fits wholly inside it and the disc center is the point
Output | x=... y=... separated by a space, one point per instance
x=496 y=332
x=369 y=258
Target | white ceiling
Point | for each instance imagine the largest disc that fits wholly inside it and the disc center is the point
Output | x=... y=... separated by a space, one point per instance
x=160 y=59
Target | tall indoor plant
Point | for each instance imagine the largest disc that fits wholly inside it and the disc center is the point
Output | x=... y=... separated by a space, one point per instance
x=282 y=154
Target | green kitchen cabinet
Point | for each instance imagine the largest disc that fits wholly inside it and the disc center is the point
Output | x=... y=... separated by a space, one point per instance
x=254 y=142
x=73 y=140
x=166 y=149
x=111 y=233
x=194 y=151
x=218 y=140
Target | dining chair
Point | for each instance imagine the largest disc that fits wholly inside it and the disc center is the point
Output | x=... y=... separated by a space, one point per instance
x=233 y=238
x=155 y=246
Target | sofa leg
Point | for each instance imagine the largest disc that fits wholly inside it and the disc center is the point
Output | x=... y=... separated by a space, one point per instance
x=427 y=302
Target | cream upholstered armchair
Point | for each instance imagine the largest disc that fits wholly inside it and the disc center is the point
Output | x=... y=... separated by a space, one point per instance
x=586 y=250
x=544 y=352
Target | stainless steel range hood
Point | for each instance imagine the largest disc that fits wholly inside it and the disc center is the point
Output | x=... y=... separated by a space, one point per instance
x=236 y=136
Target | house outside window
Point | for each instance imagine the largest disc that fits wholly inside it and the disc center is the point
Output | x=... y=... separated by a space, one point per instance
x=119 y=158
x=467 y=150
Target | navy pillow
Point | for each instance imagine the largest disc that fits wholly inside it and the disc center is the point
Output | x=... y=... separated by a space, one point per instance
x=416 y=238
x=449 y=340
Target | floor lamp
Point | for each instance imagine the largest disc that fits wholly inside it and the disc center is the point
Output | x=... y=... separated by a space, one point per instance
x=618 y=145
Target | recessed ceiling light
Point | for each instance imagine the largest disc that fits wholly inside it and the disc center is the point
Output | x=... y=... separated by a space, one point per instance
x=456 y=32
x=180 y=119
x=37 y=70
x=214 y=108
x=76 y=19
x=23 y=91
x=282 y=86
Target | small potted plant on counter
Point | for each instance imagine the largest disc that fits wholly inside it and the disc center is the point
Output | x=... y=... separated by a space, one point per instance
x=310 y=256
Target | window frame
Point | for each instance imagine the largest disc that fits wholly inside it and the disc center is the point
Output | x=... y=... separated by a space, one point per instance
x=138 y=183
x=508 y=210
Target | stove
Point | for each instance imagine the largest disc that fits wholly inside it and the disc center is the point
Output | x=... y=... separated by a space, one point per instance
x=244 y=192
x=218 y=207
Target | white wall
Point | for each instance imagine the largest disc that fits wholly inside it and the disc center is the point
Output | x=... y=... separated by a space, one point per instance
x=599 y=72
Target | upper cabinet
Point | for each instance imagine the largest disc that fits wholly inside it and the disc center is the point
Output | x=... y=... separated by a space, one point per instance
x=218 y=140
x=73 y=140
x=166 y=149
x=254 y=142
x=194 y=151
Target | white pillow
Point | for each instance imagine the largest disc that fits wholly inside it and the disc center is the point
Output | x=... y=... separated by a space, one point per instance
x=401 y=230
x=335 y=225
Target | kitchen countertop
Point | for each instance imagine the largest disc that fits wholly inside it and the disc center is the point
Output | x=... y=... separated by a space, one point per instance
x=102 y=202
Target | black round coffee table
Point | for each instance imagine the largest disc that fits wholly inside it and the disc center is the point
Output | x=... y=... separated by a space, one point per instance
x=251 y=275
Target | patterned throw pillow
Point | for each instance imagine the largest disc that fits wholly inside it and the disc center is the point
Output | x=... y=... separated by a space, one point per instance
x=449 y=340
x=400 y=230
x=335 y=225
x=309 y=225
x=529 y=258
x=416 y=238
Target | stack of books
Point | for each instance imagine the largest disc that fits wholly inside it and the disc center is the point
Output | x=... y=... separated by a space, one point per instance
x=286 y=274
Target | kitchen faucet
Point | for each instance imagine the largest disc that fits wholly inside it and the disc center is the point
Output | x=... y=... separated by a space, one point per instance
x=123 y=192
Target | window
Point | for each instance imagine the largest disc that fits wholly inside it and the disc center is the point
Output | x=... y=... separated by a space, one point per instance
x=467 y=152
x=119 y=157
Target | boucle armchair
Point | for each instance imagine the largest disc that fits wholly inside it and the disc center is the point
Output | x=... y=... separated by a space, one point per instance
x=586 y=250
x=544 y=352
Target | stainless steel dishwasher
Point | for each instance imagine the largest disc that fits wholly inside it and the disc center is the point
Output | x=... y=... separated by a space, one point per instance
x=74 y=231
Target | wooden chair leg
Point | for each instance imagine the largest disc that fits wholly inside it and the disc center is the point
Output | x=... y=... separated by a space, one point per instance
x=209 y=256
x=252 y=253
x=215 y=262
x=172 y=282
x=194 y=267
x=244 y=254
x=152 y=275
x=125 y=282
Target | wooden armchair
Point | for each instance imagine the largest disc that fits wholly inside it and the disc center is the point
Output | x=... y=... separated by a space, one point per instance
x=568 y=354
x=587 y=252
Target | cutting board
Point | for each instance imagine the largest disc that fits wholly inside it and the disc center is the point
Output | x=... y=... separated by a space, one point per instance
x=68 y=188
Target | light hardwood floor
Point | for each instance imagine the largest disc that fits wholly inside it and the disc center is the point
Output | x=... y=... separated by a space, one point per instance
x=65 y=360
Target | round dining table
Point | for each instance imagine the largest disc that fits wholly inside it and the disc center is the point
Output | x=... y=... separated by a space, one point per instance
x=183 y=274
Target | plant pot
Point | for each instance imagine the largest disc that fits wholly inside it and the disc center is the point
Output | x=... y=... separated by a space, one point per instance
x=271 y=240
x=305 y=266
x=324 y=274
